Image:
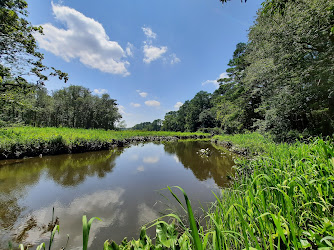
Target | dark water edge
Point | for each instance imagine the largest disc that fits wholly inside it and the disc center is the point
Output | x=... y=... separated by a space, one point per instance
x=122 y=186
x=58 y=145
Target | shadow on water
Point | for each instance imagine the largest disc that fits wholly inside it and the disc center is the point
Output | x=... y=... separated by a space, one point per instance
x=119 y=186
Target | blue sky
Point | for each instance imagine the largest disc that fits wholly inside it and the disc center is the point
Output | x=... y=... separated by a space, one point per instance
x=149 y=55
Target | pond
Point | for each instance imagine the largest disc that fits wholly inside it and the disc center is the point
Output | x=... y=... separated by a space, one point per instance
x=124 y=187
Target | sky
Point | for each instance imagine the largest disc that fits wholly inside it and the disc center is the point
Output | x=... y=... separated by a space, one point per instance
x=149 y=55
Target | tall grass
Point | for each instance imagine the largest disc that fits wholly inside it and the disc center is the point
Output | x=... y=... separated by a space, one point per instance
x=286 y=203
x=254 y=143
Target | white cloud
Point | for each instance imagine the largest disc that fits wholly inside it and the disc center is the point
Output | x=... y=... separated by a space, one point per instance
x=129 y=49
x=98 y=202
x=85 y=39
x=223 y=75
x=121 y=109
x=146 y=214
x=142 y=93
x=152 y=103
x=152 y=53
x=149 y=33
x=136 y=105
x=174 y=59
x=151 y=159
x=178 y=105
x=215 y=82
x=100 y=91
x=140 y=169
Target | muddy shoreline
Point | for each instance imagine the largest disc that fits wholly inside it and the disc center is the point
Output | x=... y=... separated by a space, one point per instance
x=228 y=145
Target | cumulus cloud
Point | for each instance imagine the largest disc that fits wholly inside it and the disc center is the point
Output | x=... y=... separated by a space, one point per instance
x=141 y=93
x=178 y=105
x=215 y=82
x=85 y=39
x=151 y=159
x=152 y=53
x=174 y=59
x=100 y=91
x=152 y=103
x=149 y=33
x=136 y=105
x=129 y=49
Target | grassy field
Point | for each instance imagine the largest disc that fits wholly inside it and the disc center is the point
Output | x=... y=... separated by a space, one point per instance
x=18 y=142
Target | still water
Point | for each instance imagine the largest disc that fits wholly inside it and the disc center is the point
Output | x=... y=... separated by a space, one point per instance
x=122 y=187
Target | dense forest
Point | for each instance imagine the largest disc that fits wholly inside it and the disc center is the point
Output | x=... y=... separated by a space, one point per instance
x=281 y=81
x=73 y=106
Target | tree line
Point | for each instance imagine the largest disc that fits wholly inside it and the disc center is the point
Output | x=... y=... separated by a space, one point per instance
x=281 y=81
x=73 y=106
x=156 y=125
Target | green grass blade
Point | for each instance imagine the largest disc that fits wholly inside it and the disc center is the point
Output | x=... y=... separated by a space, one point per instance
x=41 y=246
x=85 y=230
x=176 y=198
x=192 y=222
x=55 y=229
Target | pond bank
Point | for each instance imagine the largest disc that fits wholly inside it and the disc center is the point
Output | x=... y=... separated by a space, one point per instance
x=29 y=141
x=251 y=144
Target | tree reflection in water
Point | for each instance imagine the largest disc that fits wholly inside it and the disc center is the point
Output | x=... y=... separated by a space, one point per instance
x=217 y=165
x=18 y=176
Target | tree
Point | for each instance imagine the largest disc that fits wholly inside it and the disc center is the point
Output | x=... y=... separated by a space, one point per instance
x=292 y=68
x=19 y=56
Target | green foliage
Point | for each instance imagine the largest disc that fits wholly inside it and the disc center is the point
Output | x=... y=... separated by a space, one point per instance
x=74 y=106
x=280 y=82
x=192 y=115
x=291 y=68
x=287 y=201
x=18 y=49
x=255 y=143
x=85 y=230
x=156 y=125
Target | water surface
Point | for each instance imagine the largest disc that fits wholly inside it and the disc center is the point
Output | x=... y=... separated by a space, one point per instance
x=120 y=186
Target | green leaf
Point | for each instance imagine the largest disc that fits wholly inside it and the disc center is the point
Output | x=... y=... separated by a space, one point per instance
x=194 y=230
x=85 y=230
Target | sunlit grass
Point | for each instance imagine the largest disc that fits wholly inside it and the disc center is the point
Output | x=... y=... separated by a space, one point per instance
x=16 y=142
x=255 y=143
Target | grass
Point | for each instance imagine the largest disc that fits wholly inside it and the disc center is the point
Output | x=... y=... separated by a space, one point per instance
x=254 y=143
x=286 y=201
x=17 y=142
